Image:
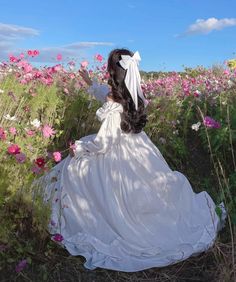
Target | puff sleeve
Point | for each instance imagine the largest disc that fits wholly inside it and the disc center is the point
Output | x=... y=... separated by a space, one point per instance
x=108 y=134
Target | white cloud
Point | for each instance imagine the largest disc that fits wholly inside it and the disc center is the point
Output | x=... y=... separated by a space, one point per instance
x=79 y=45
x=206 y=26
x=11 y=34
x=14 y=32
x=69 y=51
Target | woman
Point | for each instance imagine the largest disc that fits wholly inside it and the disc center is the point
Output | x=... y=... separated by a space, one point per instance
x=116 y=200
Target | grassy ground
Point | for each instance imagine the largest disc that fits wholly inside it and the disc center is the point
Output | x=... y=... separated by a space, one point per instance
x=50 y=262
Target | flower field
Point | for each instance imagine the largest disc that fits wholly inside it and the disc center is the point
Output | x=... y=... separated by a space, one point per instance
x=191 y=118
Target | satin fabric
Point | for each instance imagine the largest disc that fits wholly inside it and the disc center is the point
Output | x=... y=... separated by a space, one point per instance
x=118 y=203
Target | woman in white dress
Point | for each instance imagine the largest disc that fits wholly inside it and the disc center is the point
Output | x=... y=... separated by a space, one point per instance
x=116 y=201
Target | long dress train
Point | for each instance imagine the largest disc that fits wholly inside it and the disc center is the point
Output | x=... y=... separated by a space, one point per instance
x=118 y=203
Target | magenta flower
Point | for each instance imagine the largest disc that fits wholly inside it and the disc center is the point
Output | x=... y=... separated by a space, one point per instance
x=98 y=57
x=3 y=135
x=21 y=265
x=13 y=149
x=57 y=156
x=57 y=237
x=40 y=162
x=59 y=57
x=210 y=122
x=13 y=59
x=35 y=52
x=21 y=158
x=48 y=131
x=30 y=52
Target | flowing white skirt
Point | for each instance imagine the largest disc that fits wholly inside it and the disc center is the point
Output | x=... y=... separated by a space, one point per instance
x=127 y=210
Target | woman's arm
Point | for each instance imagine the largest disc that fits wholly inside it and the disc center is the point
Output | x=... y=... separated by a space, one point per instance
x=100 y=91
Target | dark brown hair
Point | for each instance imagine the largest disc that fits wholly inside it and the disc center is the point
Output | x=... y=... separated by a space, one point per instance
x=131 y=120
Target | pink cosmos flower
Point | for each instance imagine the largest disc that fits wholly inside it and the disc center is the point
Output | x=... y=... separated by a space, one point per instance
x=57 y=237
x=210 y=122
x=84 y=64
x=13 y=59
x=21 y=265
x=98 y=57
x=48 y=131
x=59 y=57
x=30 y=133
x=12 y=130
x=57 y=156
x=21 y=158
x=35 y=52
x=30 y=52
x=13 y=149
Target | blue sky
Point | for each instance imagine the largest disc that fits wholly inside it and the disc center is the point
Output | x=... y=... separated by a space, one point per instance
x=168 y=34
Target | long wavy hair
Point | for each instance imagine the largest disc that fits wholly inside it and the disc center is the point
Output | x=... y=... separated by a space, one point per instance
x=132 y=120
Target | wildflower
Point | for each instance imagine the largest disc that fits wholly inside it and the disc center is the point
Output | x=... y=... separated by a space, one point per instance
x=21 y=158
x=36 y=123
x=30 y=133
x=98 y=57
x=13 y=149
x=66 y=91
x=35 y=52
x=84 y=64
x=197 y=93
x=13 y=59
x=8 y=117
x=12 y=130
x=3 y=135
x=57 y=156
x=48 y=131
x=21 y=265
x=59 y=57
x=57 y=237
x=1 y=91
x=196 y=126
x=40 y=162
x=211 y=123
x=30 y=52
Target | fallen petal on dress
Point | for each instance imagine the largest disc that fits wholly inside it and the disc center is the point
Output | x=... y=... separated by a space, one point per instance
x=118 y=203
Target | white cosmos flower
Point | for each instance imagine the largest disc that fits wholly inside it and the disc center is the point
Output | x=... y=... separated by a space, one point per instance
x=36 y=123
x=8 y=117
x=196 y=126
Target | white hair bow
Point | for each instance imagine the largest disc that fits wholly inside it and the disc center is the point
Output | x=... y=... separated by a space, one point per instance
x=132 y=78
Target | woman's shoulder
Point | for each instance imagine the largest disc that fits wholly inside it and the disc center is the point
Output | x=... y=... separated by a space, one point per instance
x=107 y=108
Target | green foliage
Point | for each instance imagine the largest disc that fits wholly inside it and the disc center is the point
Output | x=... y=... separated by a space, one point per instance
x=207 y=156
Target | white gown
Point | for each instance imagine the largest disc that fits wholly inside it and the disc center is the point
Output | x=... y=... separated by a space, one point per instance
x=118 y=203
